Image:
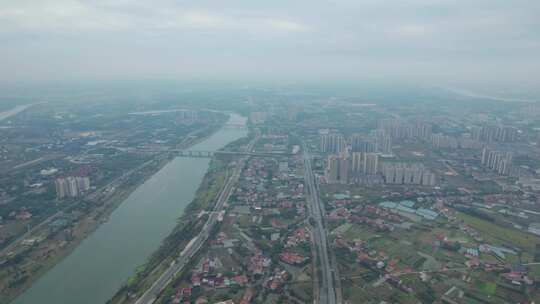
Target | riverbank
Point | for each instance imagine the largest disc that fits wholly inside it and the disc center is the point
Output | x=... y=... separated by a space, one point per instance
x=99 y=266
x=85 y=227
x=189 y=225
x=90 y=222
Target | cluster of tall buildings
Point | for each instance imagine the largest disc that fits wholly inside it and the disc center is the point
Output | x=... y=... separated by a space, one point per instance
x=360 y=144
x=71 y=186
x=383 y=141
x=337 y=169
x=362 y=159
x=365 y=163
x=441 y=141
x=342 y=163
x=342 y=168
x=494 y=133
x=333 y=143
x=478 y=137
x=408 y=174
x=498 y=161
x=399 y=129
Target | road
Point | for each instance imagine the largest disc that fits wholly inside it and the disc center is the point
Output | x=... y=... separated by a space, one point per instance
x=327 y=291
x=150 y=295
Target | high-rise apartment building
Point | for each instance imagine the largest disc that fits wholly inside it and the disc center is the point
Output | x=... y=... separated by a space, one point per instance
x=61 y=188
x=361 y=144
x=441 y=141
x=357 y=162
x=409 y=174
x=71 y=186
x=494 y=133
x=332 y=143
x=498 y=161
x=389 y=173
x=399 y=129
x=428 y=178
x=383 y=142
x=343 y=169
x=83 y=183
x=364 y=163
x=371 y=163
x=337 y=169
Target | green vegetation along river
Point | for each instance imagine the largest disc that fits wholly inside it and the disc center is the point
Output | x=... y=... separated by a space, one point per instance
x=98 y=267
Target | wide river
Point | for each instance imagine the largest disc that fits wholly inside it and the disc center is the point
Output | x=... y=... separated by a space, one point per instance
x=98 y=267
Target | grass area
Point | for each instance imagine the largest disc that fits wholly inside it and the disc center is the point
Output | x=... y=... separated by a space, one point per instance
x=534 y=272
x=304 y=290
x=244 y=220
x=501 y=235
x=358 y=232
x=354 y=294
x=487 y=288
x=132 y=279
x=207 y=192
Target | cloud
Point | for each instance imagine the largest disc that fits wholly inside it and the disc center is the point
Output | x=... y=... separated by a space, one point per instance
x=172 y=20
x=426 y=39
x=203 y=20
x=61 y=15
x=73 y=15
x=288 y=26
x=408 y=31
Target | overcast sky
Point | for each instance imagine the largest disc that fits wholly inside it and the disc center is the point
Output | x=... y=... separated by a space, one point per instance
x=439 y=41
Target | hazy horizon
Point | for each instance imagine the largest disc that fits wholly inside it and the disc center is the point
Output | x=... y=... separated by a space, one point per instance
x=446 y=43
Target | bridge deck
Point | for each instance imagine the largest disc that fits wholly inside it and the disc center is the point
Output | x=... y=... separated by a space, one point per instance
x=210 y=154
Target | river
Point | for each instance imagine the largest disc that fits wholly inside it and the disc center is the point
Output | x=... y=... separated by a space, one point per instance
x=99 y=266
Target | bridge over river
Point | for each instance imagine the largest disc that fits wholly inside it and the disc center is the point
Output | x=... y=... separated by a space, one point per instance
x=210 y=154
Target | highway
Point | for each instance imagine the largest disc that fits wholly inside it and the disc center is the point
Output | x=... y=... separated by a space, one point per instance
x=327 y=292
x=150 y=295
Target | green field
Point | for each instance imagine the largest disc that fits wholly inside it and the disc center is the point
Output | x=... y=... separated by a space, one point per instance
x=357 y=232
x=487 y=288
x=501 y=235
